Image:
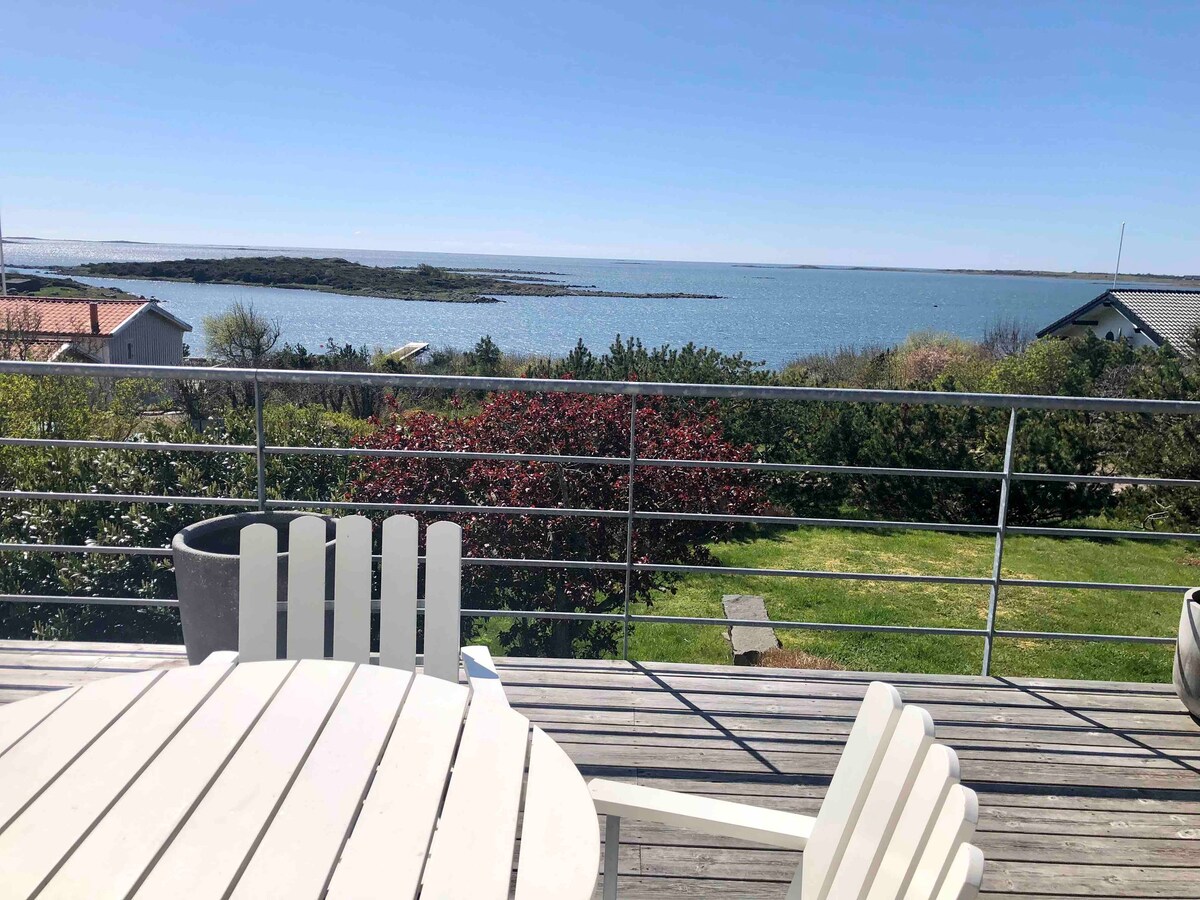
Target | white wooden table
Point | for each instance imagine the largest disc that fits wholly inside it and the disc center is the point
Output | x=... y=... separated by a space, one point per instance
x=285 y=779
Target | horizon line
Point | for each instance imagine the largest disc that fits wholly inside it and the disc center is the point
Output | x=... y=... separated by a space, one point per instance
x=8 y=239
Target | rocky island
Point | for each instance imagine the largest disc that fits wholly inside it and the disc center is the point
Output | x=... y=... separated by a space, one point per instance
x=340 y=276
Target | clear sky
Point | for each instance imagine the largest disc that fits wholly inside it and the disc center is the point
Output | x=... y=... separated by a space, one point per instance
x=981 y=134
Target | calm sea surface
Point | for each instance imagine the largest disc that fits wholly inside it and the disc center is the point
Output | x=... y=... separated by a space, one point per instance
x=769 y=314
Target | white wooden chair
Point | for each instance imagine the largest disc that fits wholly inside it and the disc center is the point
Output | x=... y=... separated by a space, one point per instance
x=305 y=638
x=894 y=825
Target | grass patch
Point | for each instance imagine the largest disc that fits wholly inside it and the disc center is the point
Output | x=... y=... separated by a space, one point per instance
x=956 y=606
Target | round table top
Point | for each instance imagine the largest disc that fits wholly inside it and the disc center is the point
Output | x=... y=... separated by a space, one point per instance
x=286 y=779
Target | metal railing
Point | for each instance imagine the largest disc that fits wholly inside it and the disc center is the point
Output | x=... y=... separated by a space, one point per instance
x=1005 y=476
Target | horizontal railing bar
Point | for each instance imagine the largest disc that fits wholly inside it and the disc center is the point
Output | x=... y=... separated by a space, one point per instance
x=84 y=601
x=112 y=550
x=532 y=563
x=552 y=458
x=447 y=454
x=1096 y=585
x=126 y=445
x=1104 y=533
x=541 y=614
x=753 y=466
x=1106 y=479
x=449 y=508
x=814 y=626
x=74 y=600
x=127 y=498
x=311 y=504
x=531 y=614
x=649 y=619
x=903 y=629
x=518 y=563
x=103 y=549
x=498 y=613
x=627 y=388
x=808 y=573
x=1084 y=636
x=823 y=523
x=564 y=459
x=950 y=527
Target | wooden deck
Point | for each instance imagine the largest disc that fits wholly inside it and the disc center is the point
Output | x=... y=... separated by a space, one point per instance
x=1086 y=789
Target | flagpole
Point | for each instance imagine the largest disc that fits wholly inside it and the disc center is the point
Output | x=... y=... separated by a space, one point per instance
x=1120 y=247
x=3 y=273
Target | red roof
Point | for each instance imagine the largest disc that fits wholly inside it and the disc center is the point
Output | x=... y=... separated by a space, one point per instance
x=67 y=317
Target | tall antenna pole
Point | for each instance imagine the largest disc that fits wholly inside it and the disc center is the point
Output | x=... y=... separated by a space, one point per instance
x=3 y=273
x=1120 y=247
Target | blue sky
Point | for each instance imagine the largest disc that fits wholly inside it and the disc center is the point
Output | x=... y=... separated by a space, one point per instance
x=958 y=134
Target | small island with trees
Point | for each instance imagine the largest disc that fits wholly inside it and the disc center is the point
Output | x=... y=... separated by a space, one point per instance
x=340 y=276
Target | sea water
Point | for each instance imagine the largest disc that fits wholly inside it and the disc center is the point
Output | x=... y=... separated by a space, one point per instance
x=769 y=313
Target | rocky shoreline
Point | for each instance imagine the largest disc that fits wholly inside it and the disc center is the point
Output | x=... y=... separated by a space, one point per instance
x=340 y=276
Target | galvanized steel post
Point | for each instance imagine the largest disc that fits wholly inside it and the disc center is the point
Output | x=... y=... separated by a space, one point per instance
x=260 y=441
x=1001 y=529
x=629 y=524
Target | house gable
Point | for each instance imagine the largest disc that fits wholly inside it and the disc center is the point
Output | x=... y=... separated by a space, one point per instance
x=1147 y=318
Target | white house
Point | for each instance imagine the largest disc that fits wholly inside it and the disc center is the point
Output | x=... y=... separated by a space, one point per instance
x=1144 y=318
x=140 y=332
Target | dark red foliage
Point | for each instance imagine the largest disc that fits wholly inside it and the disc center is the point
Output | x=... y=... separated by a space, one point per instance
x=573 y=425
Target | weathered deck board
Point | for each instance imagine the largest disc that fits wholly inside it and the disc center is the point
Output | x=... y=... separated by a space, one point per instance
x=1086 y=789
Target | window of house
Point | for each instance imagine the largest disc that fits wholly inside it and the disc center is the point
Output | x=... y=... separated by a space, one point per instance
x=1110 y=337
x=129 y=347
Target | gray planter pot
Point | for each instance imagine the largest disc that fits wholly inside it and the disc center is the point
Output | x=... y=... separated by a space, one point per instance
x=1187 y=653
x=206 y=577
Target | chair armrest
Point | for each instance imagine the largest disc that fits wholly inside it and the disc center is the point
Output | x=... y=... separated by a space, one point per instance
x=703 y=814
x=482 y=675
x=222 y=657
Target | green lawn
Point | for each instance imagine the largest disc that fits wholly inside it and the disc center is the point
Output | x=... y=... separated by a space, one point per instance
x=918 y=552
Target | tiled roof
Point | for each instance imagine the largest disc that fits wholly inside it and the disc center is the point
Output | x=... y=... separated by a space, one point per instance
x=69 y=317
x=1172 y=315
x=1163 y=316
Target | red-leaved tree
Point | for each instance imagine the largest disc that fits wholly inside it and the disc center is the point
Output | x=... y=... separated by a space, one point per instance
x=573 y=425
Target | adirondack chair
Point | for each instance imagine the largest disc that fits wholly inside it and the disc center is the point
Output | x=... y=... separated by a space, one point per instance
x=258 y=586
x=894 y=824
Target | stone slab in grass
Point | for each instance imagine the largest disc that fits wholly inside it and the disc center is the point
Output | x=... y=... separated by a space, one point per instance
x=749 y=642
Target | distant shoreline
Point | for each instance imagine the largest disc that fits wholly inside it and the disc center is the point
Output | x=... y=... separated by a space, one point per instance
x=1140 y=277
x=1106 y=277
x=335 y=275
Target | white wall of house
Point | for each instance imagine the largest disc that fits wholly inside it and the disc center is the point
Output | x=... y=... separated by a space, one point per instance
x=1108 y=322
x=146 y=339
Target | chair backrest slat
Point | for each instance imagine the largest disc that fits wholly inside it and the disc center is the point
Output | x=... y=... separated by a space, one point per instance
x=869 y=737
x=443 y=587
x=889 y=790
x=306 y=615
x=895 y=820
x=938 y=773
x=352 y=590
x=306 y=588
x=954 y=826
x=964 y=876
x=258 y=588
x=398 y=594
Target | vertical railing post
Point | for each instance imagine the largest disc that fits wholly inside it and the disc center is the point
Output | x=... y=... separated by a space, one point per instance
x=629 y=524
x=612 y=854
x=1001 y=529
x=260 y=440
